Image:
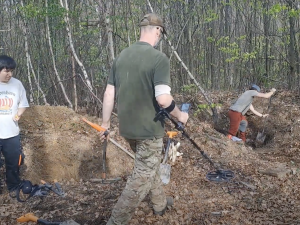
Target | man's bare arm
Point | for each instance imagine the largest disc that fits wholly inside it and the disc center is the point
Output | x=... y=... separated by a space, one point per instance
x=165 y=101
x=19 y=113
x=256 y=112
x=266 y=95
x=108 y=105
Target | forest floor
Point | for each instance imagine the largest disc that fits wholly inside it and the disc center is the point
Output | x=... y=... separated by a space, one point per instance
x=265 y=189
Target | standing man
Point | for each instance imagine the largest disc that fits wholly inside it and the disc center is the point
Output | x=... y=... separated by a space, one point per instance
x=140 y=81
x=238 y=110
x=13 y=103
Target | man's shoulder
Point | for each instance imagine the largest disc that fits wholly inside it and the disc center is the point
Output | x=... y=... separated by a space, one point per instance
x=150 y=49
x=251 y=92
x=15 y=81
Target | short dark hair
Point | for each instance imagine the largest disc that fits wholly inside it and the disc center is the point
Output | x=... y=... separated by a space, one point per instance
x=7 y=62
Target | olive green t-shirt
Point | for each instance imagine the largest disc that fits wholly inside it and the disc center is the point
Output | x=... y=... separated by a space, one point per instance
x=135 y=73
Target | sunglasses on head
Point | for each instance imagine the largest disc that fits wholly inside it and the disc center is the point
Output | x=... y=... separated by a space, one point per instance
x=160 y=29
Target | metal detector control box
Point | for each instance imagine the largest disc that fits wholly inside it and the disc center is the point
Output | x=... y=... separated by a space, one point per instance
x=185 y=107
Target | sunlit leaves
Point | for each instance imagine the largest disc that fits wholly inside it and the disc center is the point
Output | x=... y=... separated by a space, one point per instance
x=211 y=16
x=278 y=8
x=294 y=13
x=32 y=10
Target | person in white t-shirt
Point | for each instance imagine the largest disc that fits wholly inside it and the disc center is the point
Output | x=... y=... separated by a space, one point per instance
x=13 y=103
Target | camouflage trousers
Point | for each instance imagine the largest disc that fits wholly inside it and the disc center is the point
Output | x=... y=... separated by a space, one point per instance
x=144 y=179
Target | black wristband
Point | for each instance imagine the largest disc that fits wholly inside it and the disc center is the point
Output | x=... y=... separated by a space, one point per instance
x=171 y=107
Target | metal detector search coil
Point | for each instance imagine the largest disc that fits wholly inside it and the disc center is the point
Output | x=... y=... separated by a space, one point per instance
x=220 y=176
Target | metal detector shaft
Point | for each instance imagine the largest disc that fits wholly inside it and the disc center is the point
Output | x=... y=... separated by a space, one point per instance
x=218 y=176
x=201 y=151
x=180 y=127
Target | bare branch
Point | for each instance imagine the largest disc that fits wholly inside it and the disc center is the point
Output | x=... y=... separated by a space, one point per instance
x=5 y=30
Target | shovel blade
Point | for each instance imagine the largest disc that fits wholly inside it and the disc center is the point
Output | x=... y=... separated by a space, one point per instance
x=260 y=138
x=165 y=173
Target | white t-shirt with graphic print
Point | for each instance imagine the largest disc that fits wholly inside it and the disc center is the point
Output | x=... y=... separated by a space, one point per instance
x=12 y=97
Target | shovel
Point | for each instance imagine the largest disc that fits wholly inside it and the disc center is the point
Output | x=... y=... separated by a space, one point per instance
x=165 y=169
x=261 y=136
x=103 y=180
x=30 y=217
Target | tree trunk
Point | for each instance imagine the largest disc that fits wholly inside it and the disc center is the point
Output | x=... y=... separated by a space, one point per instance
x=109 y=32
x=48 y=36
x=74 y=84
x=68 y=28
x=266 y=34
x=24 y=29
x=293 y=54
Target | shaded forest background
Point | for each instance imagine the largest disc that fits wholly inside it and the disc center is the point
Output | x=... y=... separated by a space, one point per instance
x=64 y=49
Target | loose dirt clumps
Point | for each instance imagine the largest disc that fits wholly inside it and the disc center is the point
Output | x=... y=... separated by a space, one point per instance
x=265 y=189
x=59 y=145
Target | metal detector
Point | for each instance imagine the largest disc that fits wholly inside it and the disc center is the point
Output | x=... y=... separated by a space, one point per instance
x=219 y=175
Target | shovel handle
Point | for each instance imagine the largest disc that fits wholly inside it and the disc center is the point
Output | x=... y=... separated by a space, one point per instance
x=27 y=218
x=104 y=159
x=167 y=150
x=96 y=126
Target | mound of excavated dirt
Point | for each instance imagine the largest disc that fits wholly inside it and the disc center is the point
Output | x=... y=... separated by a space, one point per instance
x=265 y=189
x=59 y=145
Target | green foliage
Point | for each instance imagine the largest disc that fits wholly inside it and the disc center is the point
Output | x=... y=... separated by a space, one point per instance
x=210 y=39
x=55 y=10
x=32 y=10
x=294 y=13
x=233 y=49
x=212 y=16
x=189 y=88
x=278 y=8
x=204 y=107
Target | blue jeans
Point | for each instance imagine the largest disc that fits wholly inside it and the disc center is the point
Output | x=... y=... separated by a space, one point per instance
x=13 y=157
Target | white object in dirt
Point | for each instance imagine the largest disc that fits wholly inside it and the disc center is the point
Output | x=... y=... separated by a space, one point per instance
x=234 y=138
x=173 y=151
x=179 y=154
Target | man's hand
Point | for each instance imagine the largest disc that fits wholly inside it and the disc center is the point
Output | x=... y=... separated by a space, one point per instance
x=16 y=117
x=183 y=117
x=264 y=115
x=273 y=90
x=101 y=133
